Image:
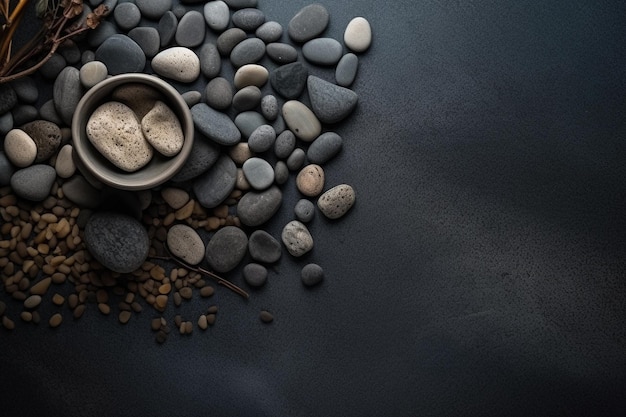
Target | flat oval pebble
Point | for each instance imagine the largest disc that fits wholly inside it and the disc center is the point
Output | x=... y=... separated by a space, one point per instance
x=269 y=32
x=226 y=249
x=250 y=74
x=248 y=19
x=153 y=9
x=67 y=92
x=80 y=192
x=162 y=130
x=301 y=120
x=47 y=137
x=167 y=28
x=322 y=51
x=289 y=80
x=210 y=60
x=118 y=241
x=20 y=148
x=269 y=107
x=358 y=34
x=254 y=274
x=297 y=238
x=215 y=185
x=336 y=202
x=147 y=38
x=93 y=72
x=324 y=148
x=257 y=207
x=258 y=172
x=121 y=54
x=185 y=243
x=248 y=51
x=281 y=172
x=34 y=182
x=266 y=317
x=215 y=125
x=262 y=139
x=248 y=121
x=311 y=274
x=281 y=53
x=310 y=180
x=191 y=29
x=204 y=153
x=228 y=39
x=177 y=63
x=247 y=98
x=285 y=144
x=308 y=23
x=114 y=130
x=263 y=247
x=127 y=15
x=192 y=97
x=295 y=160
x=64 y=164
x=217 y=15
x=219 y=93
x=304 y=210
x=330 y=103
x=346 y=70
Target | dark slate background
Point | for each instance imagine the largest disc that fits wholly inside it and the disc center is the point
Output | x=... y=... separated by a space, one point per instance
x=481 y=272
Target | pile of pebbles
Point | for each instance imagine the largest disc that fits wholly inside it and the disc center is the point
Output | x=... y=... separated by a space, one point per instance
x=252 y=132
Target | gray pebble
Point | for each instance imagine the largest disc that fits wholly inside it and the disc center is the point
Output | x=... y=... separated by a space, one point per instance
x=308 y=23
x=262 y=139
x=248 y=121
x=336 y=202
x=53 y=66
x=204 y=153
x=26 y=90
x=217 y=15
x=296 y=159
x=269 y=32
x=279 y=124
x=191 y=29
x=79 y=191
x=289 y=80
x=147 y=38
x=324 y=148
x=24 y=113
x=6 y=123
x=179 y=10
x=226 y=248
x=215 y=125
x=281 y=173
x=247 y=98
x=104 y=31
x=263 y=247
x=331 y=103
x=67 y=92
x=269 y=107
x=118 y=241
x=121 y=54
x=257 y=207
x=297 y=238
x=229 y=39
x=219 y=93
x=153 y=9
x=248 y=19
x=311 y=274
x=258 y=172
x=8 y=98
x=346 y=70
x=70 y=51
x=47 y=137
x=87 y=56
x=254 y=274
x=214 y=186
x=248 y=51
x=210 y=60
x=33 y=182
x=167 y=28
x=49 y=112
x=322 y=51
x=285 y=144
x=92 y=73
x=304 y=210
x=240 y=4
x=6 y=170
x=192 y=97
x=127 y=15
x=281 y=53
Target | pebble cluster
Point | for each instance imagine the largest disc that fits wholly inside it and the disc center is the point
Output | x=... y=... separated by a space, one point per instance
x=62 y=227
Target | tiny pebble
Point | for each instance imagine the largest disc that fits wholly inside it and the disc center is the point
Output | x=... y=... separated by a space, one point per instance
x=266 y=316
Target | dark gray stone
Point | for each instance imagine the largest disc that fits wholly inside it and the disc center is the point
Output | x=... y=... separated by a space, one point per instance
x=67 y=92
x=24 y=113
x=248 y=19
x=296 y=159
x=263 y=247
x=217 y=15
x=308 y=23
x=167 y=28
x=47 y=137
x=281 y=173
x=289 y=80
x=269 y=32
x=204 y=153
x=269 y=107
x=147 y=38
x=285 y=144
x=6 y=170
x=87 y=56
x=324 y=148
x=104 y=31
x=262 y=139
x=70 y=51
x=33 y=182
x=346 y=70
x=247 y=98
x=257 y=207
x=219 y=93
x=210 y=60
x=53 y=66
x=240 y=4
x=6 y=123
x=226 y=249
x=121 y=54
x=248 y=51
x=127 y=15
x=118 y=241
x=322 y=51
x=214 y=186
x=304 y=210
x=215 y=125
x=191 y=29
x=248 y=121
x=312 y=274
x=8 y=98
x=25 y=89
x=79 y=191
x=258 y=172
x=49 y=112
x=153 y=9
x=229 y=39
x=281 y=53
x=331 y=103
x=254 y=274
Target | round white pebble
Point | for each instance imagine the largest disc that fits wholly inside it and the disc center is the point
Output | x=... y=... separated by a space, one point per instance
x=20 y=148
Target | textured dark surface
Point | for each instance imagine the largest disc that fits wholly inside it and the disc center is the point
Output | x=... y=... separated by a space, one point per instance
x=480 y=273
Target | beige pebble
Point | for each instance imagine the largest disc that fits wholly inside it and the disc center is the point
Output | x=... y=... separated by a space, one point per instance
x=175 y=197
x=161 y=301
x=358 y=34
x=79 y=311
x=165 y=288
x=58 y=299
x=162 y=129
x=186 y=293
x=310 y=180
x=104 y=308
x=64 y=163
x=207 y=291
x=124 y=316
x=138 y=96
x=210 y=319
x=41 y=287
x=185 y=211
x=8 y=323
x=32 y=302
x=55 y=320
x=240 y=153
x=336 y=202
x=185 y=243
x=301 y=120
x=20 y=148
x=92 y=73
x=266 y=316
x=26 y=316
x=250 y=74
x=178 y=63
x=202 y=322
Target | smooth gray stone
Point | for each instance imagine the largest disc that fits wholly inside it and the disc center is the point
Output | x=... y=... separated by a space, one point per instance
x=49 y=112
x=215 y=185
x=24 y=113
x=46 y=135
x=248 y=121
x=8 y=98
x=167 y=28
x=192 y=97
x=87 y=56
x=217 y=15
x=281 y=172
x=296 y=159
x=226 y=249
x=210 y=60
x=204 y=154
x=331 y=103
x=289 y=80
x=346 y=70
x=279 y=124
x=247 y=98
x=25 y=89
x=79 y=191
x=322 y=51
x=6 y=123
x=285 y=144
x=104 y=31
x=254 y=274
x=33 y=182
x=263 y=247
x=191 y=29
x=153 y=9
x=257 y=207
x=215 y=125
x=248 y=51
x=269 y=107
x=262 y=139
x=93 y=72
x=297 y=238
x=179 y=11
x=248 y=19
x=70 y=51
x=269 y=32
x=240 y=4
x=53 y=66
x=229 y=39
x=127 y=15
x=121 y=55
x=219 y=93
x=118 y=241
x=6 y=170
x=311 y=274
x=281 y=53
x=304 y=210
x=67 y=92
x=308 y=23
x=147 y=38
x=324 y=148
x=258 y=172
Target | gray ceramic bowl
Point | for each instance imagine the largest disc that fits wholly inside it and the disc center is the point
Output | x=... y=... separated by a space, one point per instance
x=160 y=168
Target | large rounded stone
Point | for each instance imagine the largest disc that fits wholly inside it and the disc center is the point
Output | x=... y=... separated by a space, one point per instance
x=121 y=54
x=67 y=92
x=308 y=23
x=257 y=207
x=226 y=248
x=34 y=182
x=215 y=185
x=177 y=63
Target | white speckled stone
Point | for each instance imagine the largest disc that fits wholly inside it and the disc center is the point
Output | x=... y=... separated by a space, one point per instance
x=297 y=238
x=177 y=63
x=336 y=202
x=162 y=129
x=20 y=148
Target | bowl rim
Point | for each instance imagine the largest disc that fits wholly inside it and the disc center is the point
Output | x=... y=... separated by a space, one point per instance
x=112 y=176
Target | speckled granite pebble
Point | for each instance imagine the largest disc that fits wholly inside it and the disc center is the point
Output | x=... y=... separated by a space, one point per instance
x=297 y=238
x=310 y=180
x=162 y=130
x=336 y=202
x=47 y=138
x=177 y=63
x=186 y=244
x=269 y=107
